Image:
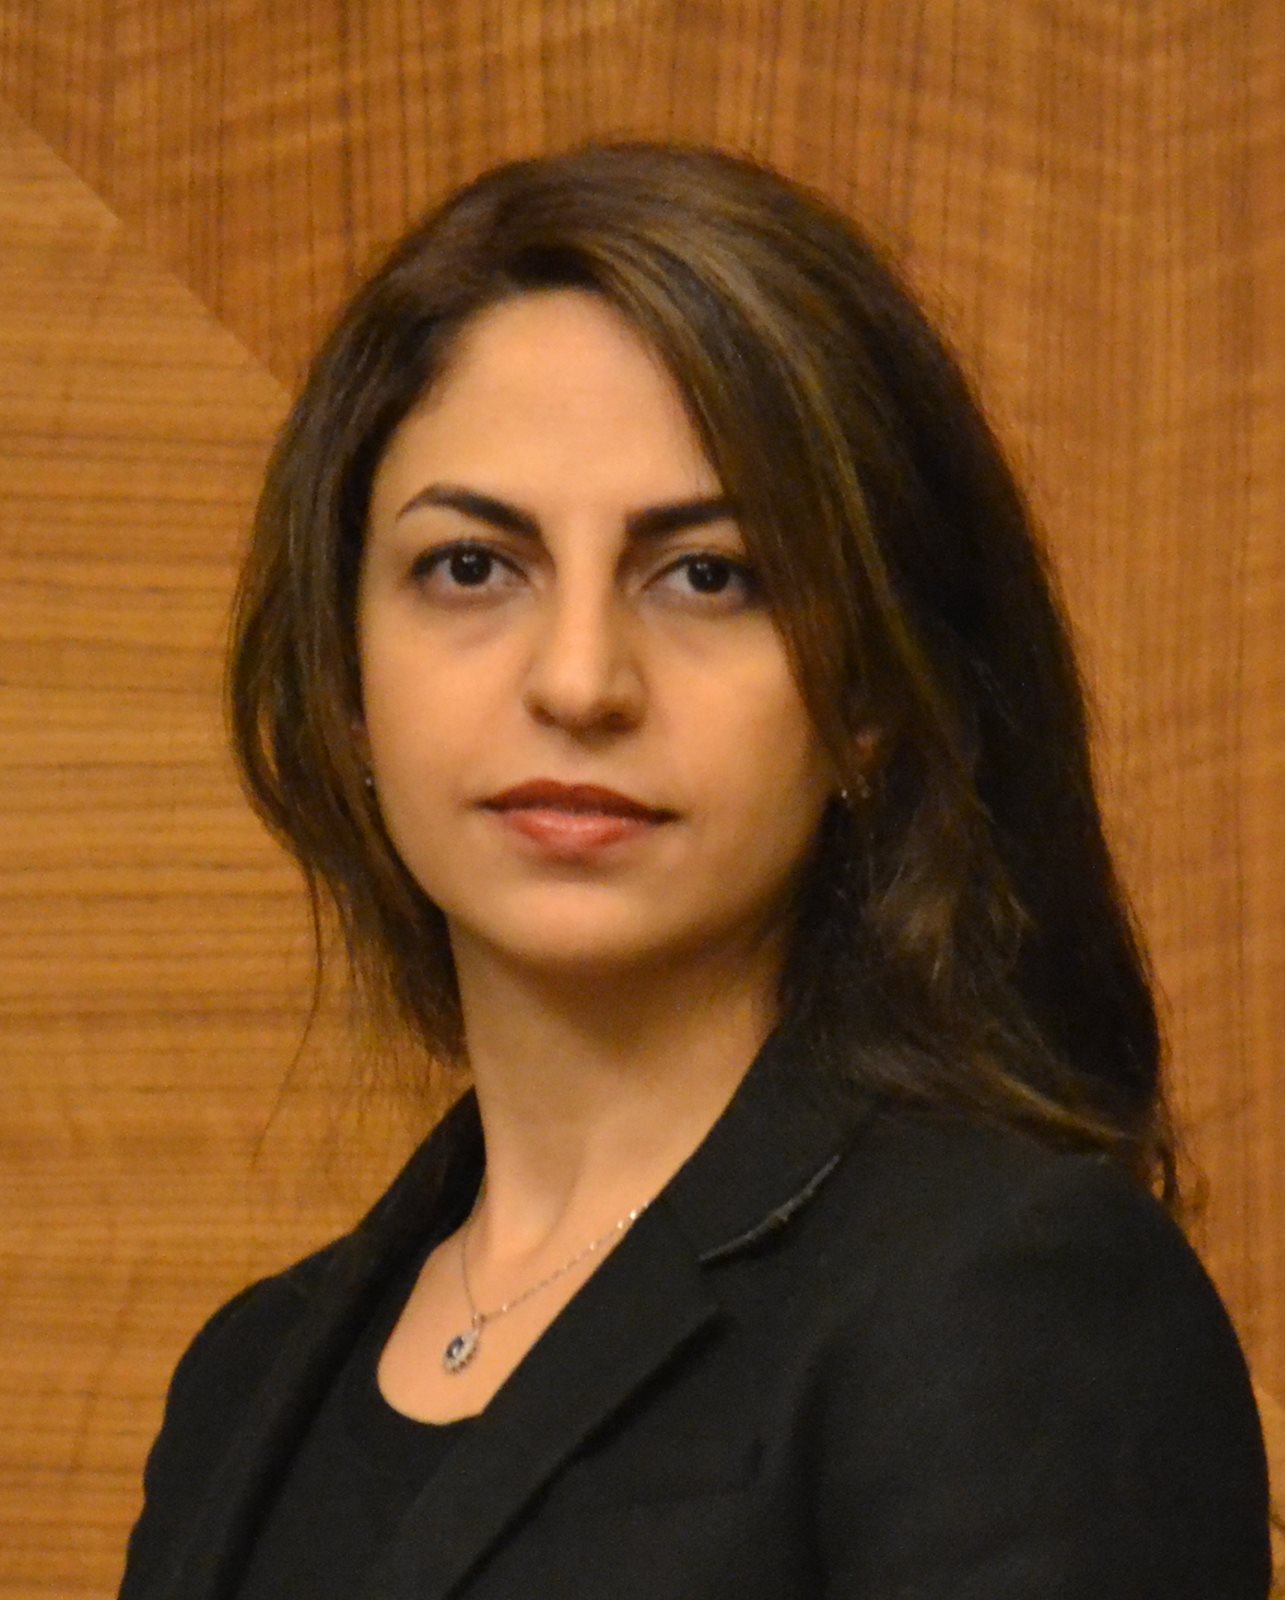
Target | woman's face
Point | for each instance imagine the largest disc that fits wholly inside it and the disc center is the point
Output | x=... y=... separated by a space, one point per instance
x=588 y=746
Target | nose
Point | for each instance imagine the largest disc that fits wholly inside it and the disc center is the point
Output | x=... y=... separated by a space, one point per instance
x=584 y=673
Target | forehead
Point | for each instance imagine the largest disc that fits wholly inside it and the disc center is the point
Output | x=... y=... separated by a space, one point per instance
x=550 y=389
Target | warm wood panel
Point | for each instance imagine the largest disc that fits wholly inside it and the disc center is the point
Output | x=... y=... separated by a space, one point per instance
x=151 y=942
x=1091 y=194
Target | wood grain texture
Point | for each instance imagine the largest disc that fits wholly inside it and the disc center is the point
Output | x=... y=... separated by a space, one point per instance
x=151 y=942
x=1091 y=195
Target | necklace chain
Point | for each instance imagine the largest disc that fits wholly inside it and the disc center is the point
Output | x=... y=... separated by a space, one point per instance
x=464 y=1346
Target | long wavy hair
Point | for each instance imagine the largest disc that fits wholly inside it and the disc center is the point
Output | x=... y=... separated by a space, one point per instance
x=960 y=939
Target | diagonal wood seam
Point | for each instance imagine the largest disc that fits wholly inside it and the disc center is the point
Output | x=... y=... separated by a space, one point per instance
x=16 y=129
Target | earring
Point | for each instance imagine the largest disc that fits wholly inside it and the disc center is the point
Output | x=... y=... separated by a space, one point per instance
x=862 y=785
x=369 y=781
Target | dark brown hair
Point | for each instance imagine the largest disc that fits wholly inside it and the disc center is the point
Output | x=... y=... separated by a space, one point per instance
x=961 y=939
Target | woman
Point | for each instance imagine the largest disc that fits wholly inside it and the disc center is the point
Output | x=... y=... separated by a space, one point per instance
x=645 y=648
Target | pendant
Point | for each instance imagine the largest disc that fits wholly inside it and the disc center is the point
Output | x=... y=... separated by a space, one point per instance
x=462 y=1349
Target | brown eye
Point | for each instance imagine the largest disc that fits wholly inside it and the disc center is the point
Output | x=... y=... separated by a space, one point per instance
x=469 y=567
x=708 y=575
x=461 y=568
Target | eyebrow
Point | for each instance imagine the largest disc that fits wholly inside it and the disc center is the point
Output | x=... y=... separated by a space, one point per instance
x=651 y=522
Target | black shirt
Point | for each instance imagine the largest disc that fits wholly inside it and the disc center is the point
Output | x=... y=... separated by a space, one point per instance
x=358 y=1468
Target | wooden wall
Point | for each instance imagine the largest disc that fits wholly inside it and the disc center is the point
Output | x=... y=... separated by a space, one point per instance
x=1091 y=194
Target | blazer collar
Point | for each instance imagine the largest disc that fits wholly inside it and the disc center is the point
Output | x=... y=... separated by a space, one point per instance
x=781 y=1125
x=768 y=1153
x=780 y=1136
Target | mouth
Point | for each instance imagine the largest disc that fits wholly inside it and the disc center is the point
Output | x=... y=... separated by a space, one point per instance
x=578 y=823
x=574 y=799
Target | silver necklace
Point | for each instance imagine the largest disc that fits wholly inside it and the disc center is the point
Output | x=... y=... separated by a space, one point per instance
x=464 y=1346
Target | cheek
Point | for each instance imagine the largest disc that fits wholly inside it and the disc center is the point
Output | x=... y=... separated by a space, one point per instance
x=753 y=745
x=417 y=708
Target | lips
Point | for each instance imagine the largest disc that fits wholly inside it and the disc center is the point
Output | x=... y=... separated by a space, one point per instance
x=544 y=794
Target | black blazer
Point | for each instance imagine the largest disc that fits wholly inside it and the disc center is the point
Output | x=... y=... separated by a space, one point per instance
x=873 y=1356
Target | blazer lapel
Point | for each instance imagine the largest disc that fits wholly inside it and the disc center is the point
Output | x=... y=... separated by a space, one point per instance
x=643 y=1306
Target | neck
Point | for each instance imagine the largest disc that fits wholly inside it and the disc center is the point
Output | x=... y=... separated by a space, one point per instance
x=593 y=1093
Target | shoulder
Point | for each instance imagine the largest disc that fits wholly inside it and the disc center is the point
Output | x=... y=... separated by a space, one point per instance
x=227 y=1354
x=259 y=1353
x=950 y=1184
x=223 y=1366
x=214 y=1386
x=1022 y=1348
x=974 y=1230
x=226 y=1359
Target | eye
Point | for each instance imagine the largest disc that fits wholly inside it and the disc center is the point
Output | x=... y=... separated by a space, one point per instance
x=464 y=567
x=707 y=575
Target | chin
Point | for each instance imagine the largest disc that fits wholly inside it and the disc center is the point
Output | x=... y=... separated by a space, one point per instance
x=610 y=950
x=587 y=957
